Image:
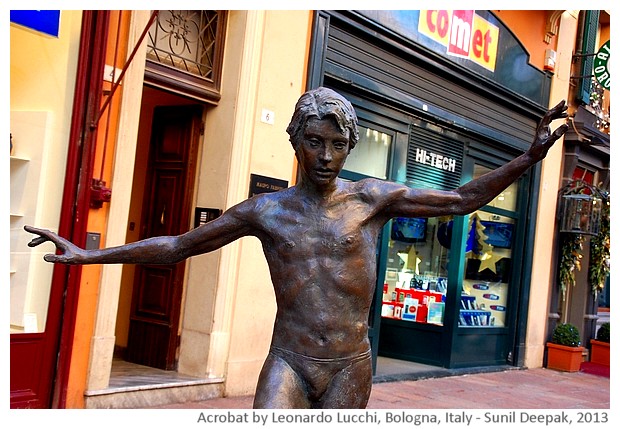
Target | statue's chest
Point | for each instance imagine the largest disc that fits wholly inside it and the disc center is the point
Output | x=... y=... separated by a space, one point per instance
x=322 y=233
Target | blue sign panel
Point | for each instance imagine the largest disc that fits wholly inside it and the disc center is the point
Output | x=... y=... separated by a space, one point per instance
x=45 y=21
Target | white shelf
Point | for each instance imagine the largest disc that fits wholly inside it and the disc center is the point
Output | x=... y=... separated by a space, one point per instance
x=32 y=132
x=19 y=159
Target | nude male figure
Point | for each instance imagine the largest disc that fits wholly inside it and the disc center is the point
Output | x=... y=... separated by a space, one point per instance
x=319 y=238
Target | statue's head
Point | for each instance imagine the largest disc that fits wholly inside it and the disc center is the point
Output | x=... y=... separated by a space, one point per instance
x=322 y=103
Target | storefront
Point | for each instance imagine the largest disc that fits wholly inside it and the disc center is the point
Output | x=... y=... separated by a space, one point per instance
x=436 y=112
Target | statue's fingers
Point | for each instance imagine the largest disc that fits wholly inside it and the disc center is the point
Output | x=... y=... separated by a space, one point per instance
x=33 y=230
x=556 y=112
x=559 y=111
x=560 y=106
x=38 y=240
x=44 y=235
x=559 y=132
x=59 y=258
x=50 y=257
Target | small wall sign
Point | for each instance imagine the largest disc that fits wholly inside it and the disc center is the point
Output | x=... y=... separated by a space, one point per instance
x=261 y=184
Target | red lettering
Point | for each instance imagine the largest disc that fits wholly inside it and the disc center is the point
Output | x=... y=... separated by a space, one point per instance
x=476 y=43
x=443 y=21
x=429 y=20
x=487 y=43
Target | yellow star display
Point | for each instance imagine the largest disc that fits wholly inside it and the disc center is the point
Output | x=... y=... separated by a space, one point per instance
x=489 y=258
x=414 y=260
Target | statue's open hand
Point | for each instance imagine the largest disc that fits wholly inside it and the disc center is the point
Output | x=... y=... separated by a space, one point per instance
x=68 y=251
x=544 y=138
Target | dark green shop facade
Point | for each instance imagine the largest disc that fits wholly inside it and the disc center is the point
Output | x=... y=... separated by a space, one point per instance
x=451 y=292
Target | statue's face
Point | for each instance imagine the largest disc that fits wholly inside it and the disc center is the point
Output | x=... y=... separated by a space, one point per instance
x=323 y=150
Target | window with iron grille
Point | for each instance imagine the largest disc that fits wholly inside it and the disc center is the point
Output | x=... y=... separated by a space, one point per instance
x=184 y=52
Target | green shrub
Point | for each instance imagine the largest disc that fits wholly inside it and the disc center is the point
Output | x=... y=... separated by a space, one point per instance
x=603 y=333
x=566 y=334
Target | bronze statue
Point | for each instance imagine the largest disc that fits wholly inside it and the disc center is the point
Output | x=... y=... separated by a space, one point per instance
x=319 y=238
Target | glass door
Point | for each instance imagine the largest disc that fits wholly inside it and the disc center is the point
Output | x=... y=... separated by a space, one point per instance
x=487 y=276
x=489 y=283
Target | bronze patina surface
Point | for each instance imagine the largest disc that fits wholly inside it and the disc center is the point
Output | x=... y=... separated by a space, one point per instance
x=320 y=239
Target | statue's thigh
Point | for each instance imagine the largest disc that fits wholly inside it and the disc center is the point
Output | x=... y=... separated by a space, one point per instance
x=279 y=386
x=350 y=387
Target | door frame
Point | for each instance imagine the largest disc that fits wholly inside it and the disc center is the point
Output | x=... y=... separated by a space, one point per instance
x=51 y=371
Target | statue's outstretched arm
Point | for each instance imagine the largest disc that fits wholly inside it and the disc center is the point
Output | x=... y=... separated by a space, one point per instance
x=156 y=250
x=405 y=201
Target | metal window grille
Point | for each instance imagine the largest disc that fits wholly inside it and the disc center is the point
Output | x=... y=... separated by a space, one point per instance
x=185 y=40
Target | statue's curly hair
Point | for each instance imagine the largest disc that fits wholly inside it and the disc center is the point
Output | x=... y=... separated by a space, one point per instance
x=320 y=103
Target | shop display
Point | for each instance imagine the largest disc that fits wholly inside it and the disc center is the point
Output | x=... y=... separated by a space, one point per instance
x=471 y=314
x=413 y=305
x=488 y=269
x=416 y=276
x=483 y=304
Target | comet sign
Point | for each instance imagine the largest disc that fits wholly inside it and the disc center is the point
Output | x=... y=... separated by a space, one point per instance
x=463 y=33
x=601 y=66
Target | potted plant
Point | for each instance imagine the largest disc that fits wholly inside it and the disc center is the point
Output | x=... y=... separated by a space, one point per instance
x=564 y=351
x=600 y=346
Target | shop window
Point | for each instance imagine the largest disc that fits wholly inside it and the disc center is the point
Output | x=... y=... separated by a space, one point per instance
x=488 y=265
x=584 y=174
x=371 y=154
x=185 y=51
x=507 y=199
x=416 y=277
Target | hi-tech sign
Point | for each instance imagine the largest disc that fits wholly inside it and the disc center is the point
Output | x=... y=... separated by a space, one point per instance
x=463 y=33
x=425 y=157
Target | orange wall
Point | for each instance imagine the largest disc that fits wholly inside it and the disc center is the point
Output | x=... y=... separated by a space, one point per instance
x=97 y=219
x=529 y=26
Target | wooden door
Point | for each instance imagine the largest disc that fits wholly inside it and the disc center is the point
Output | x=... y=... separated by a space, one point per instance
x=157 y=291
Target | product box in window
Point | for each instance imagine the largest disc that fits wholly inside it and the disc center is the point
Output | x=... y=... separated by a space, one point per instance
x=387 y=310
x=410 y=309
x=398 y=310
x=435 y=313
x=424 y=298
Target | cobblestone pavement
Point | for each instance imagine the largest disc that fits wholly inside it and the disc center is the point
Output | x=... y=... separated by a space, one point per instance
x=538 y=388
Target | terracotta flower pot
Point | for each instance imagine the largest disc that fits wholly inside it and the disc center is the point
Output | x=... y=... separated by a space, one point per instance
x=600 y=352
x=564 y=358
